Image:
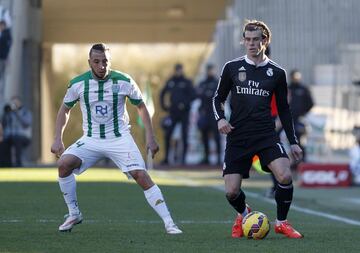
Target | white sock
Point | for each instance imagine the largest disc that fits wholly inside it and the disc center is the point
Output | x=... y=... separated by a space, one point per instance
x=156 y=200
x=278 y=222
x=245 y=212
x=68 y=188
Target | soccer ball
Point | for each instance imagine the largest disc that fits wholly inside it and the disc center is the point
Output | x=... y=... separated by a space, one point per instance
x=255 y=225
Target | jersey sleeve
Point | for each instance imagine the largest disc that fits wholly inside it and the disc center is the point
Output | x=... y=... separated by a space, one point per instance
x=71 y=96
x=134 y=93
x=221 y=93
x=281 y=96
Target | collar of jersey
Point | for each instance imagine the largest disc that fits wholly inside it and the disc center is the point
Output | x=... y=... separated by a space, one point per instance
x=261 y=64
x=102 y=80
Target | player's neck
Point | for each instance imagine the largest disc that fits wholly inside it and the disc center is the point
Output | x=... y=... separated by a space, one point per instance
x=257 y=59
x=98 y=78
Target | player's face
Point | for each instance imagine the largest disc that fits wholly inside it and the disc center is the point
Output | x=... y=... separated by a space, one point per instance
x=100 y=63
x=254 y=43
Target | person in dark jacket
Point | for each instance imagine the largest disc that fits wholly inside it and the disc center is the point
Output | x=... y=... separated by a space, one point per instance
x=5 y=144
x=21 y=129
x=181 y=93
x=301 y=103
x=206 y=122
x=5 y=44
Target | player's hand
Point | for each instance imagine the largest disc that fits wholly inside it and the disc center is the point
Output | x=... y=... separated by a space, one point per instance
x=57 y=148
x=224 y=126
x=153 y=146
x=297 y=152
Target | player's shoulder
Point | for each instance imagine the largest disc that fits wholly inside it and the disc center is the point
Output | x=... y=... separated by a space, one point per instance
x=117 y=75
x=235 y=62
x=277 y=67
x=233 y=65
x=80 y=78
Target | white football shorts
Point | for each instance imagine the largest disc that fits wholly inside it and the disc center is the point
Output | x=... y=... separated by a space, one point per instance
x=123 y=151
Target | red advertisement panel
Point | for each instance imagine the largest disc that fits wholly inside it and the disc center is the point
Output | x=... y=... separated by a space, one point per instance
x=324 y=175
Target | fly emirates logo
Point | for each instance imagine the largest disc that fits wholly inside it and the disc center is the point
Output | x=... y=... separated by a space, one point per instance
x=252 y=89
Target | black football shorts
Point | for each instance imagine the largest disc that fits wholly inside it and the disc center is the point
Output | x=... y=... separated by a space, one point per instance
x=238 y=159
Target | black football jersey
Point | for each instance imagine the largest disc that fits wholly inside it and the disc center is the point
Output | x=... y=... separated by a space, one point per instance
x=251 y=88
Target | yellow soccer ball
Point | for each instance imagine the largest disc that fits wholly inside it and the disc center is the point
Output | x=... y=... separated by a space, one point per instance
x=255 y=225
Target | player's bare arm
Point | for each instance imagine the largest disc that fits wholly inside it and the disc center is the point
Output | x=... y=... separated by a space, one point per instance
x=61 y=121
x=151 y=143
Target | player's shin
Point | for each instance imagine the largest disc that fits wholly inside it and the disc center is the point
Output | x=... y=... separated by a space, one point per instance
x=156 y=200
x=283 y=197
x=238 y=202
x=68 y=188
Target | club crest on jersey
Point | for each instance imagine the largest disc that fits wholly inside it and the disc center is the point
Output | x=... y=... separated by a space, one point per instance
x=269 y=72
x=242 y=76
x=115 y=88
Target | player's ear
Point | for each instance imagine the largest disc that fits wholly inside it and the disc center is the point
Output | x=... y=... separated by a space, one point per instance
x=89 y=62
x=265 y=41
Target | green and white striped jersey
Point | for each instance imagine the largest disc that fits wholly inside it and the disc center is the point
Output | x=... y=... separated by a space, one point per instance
x=102 y=102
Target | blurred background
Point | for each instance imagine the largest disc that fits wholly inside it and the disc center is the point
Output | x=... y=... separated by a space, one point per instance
x=50 y=41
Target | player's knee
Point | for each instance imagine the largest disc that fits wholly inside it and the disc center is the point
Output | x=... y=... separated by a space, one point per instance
x=285 y=177
x=232 y=194
x=65 y=167
x=137 y=174
x=142 y=178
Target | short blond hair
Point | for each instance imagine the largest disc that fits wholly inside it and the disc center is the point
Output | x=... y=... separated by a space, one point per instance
x=256 y=25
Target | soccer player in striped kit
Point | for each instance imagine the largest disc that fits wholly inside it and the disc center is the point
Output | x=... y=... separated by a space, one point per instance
x=252 y=81
x=102 y=95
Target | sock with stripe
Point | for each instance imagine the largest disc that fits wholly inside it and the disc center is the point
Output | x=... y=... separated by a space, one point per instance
x=283 y=197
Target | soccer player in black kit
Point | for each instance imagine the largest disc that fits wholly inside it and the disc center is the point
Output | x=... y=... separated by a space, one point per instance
x=252 y=80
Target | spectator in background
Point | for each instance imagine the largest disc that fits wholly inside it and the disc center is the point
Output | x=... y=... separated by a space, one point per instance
x=355 y=157
x=21 y=130
x=5 y=45
x=5 y=145
x=1 y=133
x=206 y=122
x=1 y=145
x=181 y=93
x=301 y=103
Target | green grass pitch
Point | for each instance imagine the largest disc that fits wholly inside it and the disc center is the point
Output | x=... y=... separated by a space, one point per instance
x=117 y=218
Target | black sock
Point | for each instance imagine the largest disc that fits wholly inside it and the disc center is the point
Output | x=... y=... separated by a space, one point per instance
x=283 y=197
x=238 y=203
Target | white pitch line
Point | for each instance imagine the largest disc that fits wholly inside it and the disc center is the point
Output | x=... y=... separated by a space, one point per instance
x=302 y=209
x=122 y=222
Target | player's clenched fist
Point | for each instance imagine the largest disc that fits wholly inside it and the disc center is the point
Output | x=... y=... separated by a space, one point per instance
x=57 y=148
